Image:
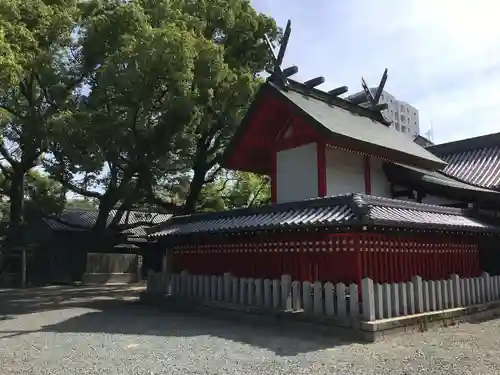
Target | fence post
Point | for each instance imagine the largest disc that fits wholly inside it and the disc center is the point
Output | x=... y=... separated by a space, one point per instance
x=439 y=295
x=276 y=294
x=251 y=291
x=235 y=290
x=340 y=291
x=194 y=286
x=258 y=292
x=286 y=292
x=208 y=284
x=419 y=294
x=463 y=289
x=227 y=287
x=487 y=286
x=184 y=283
x=379 y=302
x=201 y=287
x=425 y=285
x=243 y=292
x=354 y=304
x=306 y=296
x=395 y=299
x=268 y=293
x=479 y=297
x=329 y=302
x=368 y=301
x=386 y=296
x=472 y=289
x=318 y=297
x=403 y=300
x=296 y=298
x=457 y=293
x=410 y=289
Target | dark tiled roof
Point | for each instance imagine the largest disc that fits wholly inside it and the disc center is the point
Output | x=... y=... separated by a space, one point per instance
x=83 y=220
x=479 y=167
x=325 y=212
x=438 y=183
x=475 y=161
x=361 y=133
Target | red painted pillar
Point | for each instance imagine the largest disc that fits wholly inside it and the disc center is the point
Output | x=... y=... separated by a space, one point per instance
x=368 y=177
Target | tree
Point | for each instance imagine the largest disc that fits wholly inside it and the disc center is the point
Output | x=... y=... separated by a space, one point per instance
x=85 y=204
x=173 y=80
x=234 y=190
x=41 y=196
x=40 y=67
x=240 y=31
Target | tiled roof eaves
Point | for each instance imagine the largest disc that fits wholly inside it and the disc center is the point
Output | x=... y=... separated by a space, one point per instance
x=483 y=141
x=436 y=227
x=363 y=211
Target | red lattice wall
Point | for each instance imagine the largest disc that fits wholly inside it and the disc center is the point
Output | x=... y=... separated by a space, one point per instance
x=330 y=257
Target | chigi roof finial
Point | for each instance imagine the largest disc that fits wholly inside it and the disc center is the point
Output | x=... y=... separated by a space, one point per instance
x=280 y=76
x=277 y=75
x=374 y=99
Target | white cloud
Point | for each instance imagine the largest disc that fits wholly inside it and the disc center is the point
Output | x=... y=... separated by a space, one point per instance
x=443 y=56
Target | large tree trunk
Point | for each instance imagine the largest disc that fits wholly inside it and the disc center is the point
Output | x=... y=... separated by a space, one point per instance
x=106 y=204
x=194 y=190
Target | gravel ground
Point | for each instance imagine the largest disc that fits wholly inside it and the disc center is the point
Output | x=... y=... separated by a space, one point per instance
x=101 y=331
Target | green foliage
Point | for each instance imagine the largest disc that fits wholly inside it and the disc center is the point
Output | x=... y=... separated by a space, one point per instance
x=43 y=194
x=173 y=81
x=235 y=190
x=40 y=67
x=85 y=204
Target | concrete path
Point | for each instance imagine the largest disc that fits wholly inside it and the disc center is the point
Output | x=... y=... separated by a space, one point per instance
x=62 y=330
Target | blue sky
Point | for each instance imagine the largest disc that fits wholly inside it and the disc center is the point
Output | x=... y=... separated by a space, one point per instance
x=443 y=56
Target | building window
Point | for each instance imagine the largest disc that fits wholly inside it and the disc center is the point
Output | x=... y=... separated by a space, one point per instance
x=404 y=129
x=397 y=127
x=403 y=119
x=382 y=96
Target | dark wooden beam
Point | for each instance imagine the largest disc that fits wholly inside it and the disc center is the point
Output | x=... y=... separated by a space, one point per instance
x=381 y=107
x=380 y=87
x=284 y=43
x=368 y=93
x=338 y=91
x=290 y=71
x=314 y=82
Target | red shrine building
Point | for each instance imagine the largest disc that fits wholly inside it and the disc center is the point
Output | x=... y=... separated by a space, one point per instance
x=352 y=198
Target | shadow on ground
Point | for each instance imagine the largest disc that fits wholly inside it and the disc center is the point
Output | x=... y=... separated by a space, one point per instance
x=117 y=311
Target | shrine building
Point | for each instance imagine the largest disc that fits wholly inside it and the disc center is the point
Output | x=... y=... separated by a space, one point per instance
x=352 y=197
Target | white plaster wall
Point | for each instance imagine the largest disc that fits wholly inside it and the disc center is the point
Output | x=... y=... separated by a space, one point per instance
x=379 y=183
x=344 y=172
x=297 y=174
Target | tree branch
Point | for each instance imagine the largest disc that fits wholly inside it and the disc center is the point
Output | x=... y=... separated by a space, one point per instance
x=213 y=175
x=250 y=204
x=5 y=153
x=78 y=190
x=51 y=102
x=12 y=111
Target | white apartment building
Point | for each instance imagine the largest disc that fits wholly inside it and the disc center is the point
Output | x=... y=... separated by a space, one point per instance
x=404 y=117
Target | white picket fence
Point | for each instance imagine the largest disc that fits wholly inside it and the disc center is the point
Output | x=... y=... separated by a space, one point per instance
x=378 y=301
